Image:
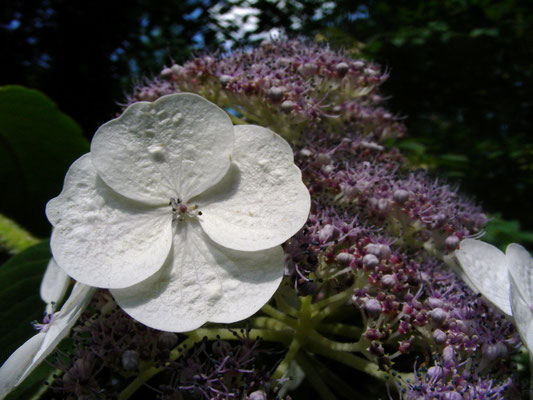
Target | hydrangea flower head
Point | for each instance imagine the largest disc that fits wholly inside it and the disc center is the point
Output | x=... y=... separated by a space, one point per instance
x=180 y=213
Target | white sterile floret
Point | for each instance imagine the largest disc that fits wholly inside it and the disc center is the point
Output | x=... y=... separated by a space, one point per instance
x=28 y=356
x=520 y=265
x=180 y=213
x=53 y=286
x=486 y=272
x=506 y=280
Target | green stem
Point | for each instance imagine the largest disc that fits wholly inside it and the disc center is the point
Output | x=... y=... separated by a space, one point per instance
x=275 y=313
x=313 y=377
x=281 y=303
x=13 y=237
x=269 y=323
x=289 y=356
x=339 y=297
x=333 y=345
x=341 y=329
x=351 y=360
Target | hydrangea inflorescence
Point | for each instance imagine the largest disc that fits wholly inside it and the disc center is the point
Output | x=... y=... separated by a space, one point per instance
x=367 y=286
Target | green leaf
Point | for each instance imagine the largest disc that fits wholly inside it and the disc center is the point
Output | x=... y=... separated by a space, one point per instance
x=37 y=145
x=20 y=302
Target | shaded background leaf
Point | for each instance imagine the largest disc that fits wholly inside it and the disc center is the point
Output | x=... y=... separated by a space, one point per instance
x=37 y=145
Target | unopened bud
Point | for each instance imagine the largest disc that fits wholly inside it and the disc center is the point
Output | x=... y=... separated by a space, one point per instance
x=342 y=68
x=344 y=258
x=438 y=315
x=276 y=93
x=258 y=395
x=401 y=196
x=451 y=242
x=328 y=233
x=225 y=79
x=373 y=307
x=166 y=73
x=177 y=70
x=130 y=360
x=439 y=336
x=370 y=261
x=287 y=106
x=167 y=340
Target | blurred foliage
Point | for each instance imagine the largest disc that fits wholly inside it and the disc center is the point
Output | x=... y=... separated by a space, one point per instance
x=461 y=73
x=86 y=55
x=39 y=143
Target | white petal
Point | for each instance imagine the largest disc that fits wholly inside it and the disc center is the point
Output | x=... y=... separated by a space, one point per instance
x=54 y=285
x=520 y=265
x=178 y=146
x=486 y=269
x=61 y=323
x=27 y=357
x=201 y=282
x=103 y=239
x=15 y=366
x=262 y=201
x=523 y=316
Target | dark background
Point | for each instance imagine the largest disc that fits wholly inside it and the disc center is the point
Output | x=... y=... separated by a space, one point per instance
x=460 y=73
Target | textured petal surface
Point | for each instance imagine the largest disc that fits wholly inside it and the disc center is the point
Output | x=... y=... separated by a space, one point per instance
x=262 y=201
x=103 y=239
x=520 y=265
x=178 y=146
x=523 y=315
x=486 y=268
x=54 y=285
x=15 y=366
x=202 y=281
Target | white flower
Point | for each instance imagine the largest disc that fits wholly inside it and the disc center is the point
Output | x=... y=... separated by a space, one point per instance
x=180 y=214
x=505 y=280
x=28 y=356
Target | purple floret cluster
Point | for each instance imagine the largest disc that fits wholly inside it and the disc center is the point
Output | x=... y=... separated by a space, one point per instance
x=285 y=85
x=378 y=230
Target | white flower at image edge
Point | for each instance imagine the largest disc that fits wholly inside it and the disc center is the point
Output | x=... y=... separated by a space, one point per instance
x=505 y=280
x=28 y=356
x=180 y=213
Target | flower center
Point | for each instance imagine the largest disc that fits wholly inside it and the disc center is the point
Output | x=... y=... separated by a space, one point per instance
x=180 y=210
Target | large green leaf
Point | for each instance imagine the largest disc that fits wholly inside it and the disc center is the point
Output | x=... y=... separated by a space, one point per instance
x=37 y=145
x=20 y=302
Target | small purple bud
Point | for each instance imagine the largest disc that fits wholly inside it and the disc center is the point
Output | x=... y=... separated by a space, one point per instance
x=388 y=280
x=451 y=242
x=177 y=70
x=276 y=93
x=287 y=106
x=358 y=64
x=130 y=360
x=452 y=396
x=328 y=233
x=322 y=159
x=401 y=196
x=492 y=351
x=439 y=336
x=167 y=340
x=308 y=69
x=381 y=251
x=225 y=79
x=370 y=261
x=438 y=315
x=384 y=206
x=344 y=258
x=435 y=373
x=373 y=307
x=306 y=152
x=434 y=302
x=342 y=68
x=257 y=395
x=448 y=354
x=166 y=73
x=405 y=346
